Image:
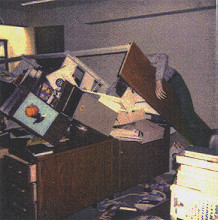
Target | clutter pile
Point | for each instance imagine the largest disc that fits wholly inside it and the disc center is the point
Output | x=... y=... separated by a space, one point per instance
x=142 y=204
x=73 y=103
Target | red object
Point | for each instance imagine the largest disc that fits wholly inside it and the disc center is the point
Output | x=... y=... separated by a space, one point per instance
x=31 y=110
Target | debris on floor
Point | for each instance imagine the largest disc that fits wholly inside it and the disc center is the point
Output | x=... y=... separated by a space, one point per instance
x=137 y=204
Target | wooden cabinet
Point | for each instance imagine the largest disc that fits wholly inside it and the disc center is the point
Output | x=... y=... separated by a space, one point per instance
x=75 y=179
x=141 y=162
x=68 y=181
x=21 y=192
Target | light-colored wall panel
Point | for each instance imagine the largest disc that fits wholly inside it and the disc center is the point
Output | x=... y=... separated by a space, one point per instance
x=20 y=41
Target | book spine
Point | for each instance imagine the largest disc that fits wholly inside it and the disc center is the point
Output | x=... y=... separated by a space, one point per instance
x=201 y=156
x=197 y=162
x=198 y=170
x=197 y=182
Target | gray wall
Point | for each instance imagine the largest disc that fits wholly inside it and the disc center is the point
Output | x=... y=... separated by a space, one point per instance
x=15 y=17
x=184 y=29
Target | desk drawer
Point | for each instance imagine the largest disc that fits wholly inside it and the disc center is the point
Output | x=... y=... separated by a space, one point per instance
x=27 y=211
x=20 y=169
x=25 y=192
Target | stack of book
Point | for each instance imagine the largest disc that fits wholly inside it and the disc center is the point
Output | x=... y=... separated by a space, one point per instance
x=39 y=150
x=195 y=194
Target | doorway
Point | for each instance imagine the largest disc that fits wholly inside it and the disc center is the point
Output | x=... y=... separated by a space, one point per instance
x=49 y=39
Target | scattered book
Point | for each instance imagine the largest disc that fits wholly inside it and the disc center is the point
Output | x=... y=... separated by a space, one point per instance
x=191 y=161
x=201 y=153
x=198 y=182
x=39 y=150
x=197 y=170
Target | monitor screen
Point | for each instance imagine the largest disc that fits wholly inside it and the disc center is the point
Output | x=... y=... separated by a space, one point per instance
x=35 y=114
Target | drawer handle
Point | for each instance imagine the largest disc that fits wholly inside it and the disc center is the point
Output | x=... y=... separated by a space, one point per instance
x=19 y=207
x=19 y=171
x=21 y=190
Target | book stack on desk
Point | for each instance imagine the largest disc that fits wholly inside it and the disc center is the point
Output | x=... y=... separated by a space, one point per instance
x=32 y=152
x=195 y=193
x=39 y=150
x=198 y=169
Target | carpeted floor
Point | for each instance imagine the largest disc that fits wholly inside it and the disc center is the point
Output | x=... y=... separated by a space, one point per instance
x=113 y=208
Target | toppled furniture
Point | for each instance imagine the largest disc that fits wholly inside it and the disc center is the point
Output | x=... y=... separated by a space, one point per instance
x=134 y=70
x=91 y=165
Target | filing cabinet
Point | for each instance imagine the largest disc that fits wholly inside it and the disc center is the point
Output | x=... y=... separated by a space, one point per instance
x=21 y=188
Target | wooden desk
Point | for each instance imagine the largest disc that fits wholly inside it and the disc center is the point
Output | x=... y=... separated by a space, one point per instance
x=59 y=184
